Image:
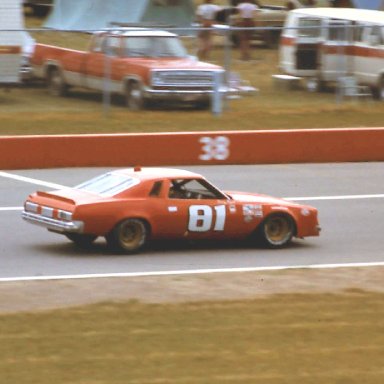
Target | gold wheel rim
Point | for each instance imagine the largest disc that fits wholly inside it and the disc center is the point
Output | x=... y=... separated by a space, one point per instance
x=131 y=235
x=278 y=229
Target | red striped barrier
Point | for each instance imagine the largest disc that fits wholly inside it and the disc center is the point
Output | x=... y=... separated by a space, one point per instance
x=192 y=148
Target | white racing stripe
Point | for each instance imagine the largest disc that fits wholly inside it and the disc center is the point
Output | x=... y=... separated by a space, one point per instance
x=193 y=272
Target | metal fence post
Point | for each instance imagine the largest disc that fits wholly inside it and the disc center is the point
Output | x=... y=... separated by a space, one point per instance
x=217 y=107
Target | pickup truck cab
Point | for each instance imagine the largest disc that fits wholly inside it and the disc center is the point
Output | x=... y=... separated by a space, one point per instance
x=142 y=65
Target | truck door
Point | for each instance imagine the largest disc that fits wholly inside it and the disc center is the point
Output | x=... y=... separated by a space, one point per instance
x=100 y=66
x=337 y=51
x=307 y=46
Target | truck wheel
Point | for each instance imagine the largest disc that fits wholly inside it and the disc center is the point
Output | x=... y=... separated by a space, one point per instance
x=129 y=236
x=276 y=230
x=135 y=97
x=56 y=83
x=235 y=40
x=378 y=92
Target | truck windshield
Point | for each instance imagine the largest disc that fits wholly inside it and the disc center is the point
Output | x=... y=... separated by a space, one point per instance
x=153 y=46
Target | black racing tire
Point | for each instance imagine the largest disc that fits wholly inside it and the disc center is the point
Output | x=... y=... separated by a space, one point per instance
x=129 y=236
x=81 y=240
x=277 y=230
x=135 y=96
x=56 y=83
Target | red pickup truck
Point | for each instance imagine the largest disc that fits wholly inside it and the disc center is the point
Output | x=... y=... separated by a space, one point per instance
x=142 y=65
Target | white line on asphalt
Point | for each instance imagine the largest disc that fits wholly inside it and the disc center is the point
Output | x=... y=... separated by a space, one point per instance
x=31 y=180
x=59 y=186
x=192 y=272
x=3 y=209
x=342 y=197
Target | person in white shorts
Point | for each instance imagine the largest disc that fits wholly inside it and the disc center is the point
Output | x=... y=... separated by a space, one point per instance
x=206 y=14
x=247 y=12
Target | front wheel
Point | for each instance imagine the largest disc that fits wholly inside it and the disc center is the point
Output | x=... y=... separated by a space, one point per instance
x=277 y=230
x=129 y=236
x=135 y=96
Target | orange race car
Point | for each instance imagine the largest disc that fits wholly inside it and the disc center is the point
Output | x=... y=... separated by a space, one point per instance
x=130 y=207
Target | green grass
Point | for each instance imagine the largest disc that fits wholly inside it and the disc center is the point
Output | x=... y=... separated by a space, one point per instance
x=31 y=110
x=282 y=339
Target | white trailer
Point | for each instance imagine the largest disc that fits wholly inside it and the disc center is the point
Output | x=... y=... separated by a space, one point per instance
x=11 y=41
x=328 y=44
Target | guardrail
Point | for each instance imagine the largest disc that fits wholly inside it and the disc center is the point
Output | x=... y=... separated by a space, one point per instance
x=193 y=148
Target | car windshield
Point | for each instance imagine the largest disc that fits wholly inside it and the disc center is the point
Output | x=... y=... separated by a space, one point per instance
x=153 y=46
x=109 y=184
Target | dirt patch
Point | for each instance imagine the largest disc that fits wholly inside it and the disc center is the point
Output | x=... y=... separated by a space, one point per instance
x=46 y=295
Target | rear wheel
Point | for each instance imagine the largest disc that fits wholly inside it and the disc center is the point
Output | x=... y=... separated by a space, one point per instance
x=56 y=83
x=277 y=230
x=81 y=240
x=129 y=236
x=378 y=92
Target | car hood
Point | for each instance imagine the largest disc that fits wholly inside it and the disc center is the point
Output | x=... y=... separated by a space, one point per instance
x=174 y=64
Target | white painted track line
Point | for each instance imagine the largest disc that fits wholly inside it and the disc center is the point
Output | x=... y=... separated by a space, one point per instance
x=192 y=272
x=343 y=197
x=31 y=180
x=59 y=186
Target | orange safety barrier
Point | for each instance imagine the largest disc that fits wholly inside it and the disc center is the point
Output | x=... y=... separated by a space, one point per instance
x=192 y=148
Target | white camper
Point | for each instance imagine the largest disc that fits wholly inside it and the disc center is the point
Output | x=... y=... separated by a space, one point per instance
x=327 y=44
x=11 y=41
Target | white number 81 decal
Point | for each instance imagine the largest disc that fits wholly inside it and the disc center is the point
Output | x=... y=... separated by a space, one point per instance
x=201 y=218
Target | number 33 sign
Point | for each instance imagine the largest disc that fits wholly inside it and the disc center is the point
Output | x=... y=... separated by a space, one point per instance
x=214 y=148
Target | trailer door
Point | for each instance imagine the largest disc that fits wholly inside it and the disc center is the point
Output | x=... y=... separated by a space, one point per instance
x=307 y=46
x=11 y=41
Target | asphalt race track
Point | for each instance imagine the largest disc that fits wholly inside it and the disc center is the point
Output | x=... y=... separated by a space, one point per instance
x=349 y=196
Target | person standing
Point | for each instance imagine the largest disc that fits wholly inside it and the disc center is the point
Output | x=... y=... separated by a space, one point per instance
x=206 y=14
x=247 y=12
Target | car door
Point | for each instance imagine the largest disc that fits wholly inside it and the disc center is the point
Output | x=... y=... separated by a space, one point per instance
x=193 y=210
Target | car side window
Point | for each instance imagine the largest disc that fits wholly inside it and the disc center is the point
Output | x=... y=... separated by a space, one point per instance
x=192 y=189
x=156 y=189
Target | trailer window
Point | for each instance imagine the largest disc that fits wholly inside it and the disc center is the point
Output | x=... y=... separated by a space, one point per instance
x=377 y=36
x=338 y=30
x=358 y=33
x=309 y=27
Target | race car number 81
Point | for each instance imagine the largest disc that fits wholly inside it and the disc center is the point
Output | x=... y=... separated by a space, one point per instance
x=201 y=218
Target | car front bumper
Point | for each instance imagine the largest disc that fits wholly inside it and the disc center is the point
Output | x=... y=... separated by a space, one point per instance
x=53 y=224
